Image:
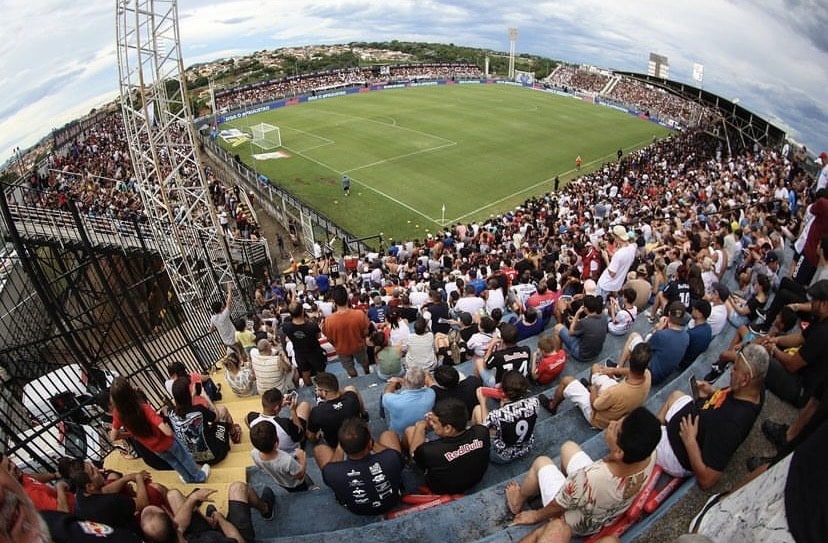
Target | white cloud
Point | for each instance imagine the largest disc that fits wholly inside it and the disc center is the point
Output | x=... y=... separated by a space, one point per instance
x=59 y=57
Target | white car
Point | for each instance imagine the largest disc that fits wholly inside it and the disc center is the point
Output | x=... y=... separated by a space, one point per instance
x=39 y=448
x=53 y=395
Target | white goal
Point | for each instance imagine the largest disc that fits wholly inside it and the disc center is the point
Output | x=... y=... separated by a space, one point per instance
x=266 y=136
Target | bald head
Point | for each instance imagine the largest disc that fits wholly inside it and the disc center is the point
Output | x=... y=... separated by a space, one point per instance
x=157 y=525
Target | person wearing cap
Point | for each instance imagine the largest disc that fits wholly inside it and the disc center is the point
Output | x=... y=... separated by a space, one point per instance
x=613 y=277
x=770 y=267
x=668 y=343
x=699 y=330
x=676 y=289
x=794 y=295
x=794 y=373
x=699 y=437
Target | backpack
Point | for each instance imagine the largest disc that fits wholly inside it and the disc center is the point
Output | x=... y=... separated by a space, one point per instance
x=457 y=347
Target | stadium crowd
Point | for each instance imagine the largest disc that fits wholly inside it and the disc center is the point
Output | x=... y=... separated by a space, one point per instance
x=656 y=102
x=94 y=171
x=306 y=84
x=567 y=76
x=702 y=238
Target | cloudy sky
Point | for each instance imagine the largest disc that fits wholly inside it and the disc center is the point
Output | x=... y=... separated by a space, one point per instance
x=57 y=58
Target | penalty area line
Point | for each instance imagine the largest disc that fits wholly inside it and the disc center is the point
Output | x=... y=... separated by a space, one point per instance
x=368 y=187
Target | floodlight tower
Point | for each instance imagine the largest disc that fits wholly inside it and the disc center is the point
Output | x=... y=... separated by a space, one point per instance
x=160 y=132
x=513 y=35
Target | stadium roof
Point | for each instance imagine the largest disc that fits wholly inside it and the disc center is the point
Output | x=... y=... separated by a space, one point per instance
x=741 y=123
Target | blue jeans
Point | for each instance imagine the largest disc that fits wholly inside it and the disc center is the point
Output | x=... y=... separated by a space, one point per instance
x=572 y=344
x=180 y=459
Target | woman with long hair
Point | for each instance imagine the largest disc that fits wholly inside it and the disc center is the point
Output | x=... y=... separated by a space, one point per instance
x=132 y=417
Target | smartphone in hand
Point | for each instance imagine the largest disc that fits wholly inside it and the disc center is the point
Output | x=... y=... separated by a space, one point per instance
x=694 y=388
x=694 y=394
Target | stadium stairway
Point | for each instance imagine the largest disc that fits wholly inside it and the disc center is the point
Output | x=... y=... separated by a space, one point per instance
x=232 y=468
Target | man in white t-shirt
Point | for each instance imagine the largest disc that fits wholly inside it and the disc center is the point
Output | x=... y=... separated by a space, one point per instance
x=469 y=302
x=616 y=272
x=717 y=320
x=221 y=322
x=822 y=180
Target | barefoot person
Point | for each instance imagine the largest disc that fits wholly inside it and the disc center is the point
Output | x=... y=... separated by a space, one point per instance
x=589 y=494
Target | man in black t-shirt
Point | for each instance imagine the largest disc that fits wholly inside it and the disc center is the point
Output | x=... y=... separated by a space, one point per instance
x=458 y=459
x=113 y=509
x=188 y=524
x=792 y=376
x=334 y=407
x=304 y=335
x=700 y=437
x=369 y=481
x=502 y=356
x=447 y=384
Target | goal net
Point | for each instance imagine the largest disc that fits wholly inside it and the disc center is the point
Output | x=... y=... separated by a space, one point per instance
x=266 y=136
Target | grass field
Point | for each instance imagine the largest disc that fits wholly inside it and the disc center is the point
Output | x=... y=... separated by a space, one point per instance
x=477 y=149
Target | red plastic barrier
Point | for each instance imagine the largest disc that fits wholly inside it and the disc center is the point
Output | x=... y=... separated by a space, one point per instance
x=492 y=392
x=664 y=493
x=437 y=499
x=416 y=499
x=637 y=506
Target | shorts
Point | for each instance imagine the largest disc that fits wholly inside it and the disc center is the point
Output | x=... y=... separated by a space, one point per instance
x=312 y=362
x=665 y=457
x=551 y=479
x=238 y=514
x=579 y=394
x=347 y=360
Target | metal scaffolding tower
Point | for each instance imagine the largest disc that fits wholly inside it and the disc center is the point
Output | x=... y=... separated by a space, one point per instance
x=160 y=131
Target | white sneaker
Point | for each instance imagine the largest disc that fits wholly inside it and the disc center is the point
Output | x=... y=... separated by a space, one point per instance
x=206 y=469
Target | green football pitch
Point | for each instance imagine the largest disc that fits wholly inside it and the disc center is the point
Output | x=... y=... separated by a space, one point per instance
x=475 y=149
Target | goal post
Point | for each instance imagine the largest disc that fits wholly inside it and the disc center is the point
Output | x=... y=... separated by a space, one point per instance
x=266 y=136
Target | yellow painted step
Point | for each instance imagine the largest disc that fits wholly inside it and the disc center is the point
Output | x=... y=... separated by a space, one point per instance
x=232 y=468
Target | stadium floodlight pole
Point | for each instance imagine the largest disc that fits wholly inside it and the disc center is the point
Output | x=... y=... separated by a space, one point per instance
x=160 y=133
x=513 y=35
x=214 y=124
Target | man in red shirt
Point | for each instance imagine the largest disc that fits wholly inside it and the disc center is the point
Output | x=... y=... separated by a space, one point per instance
x=44 y=496
x=347 y=329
